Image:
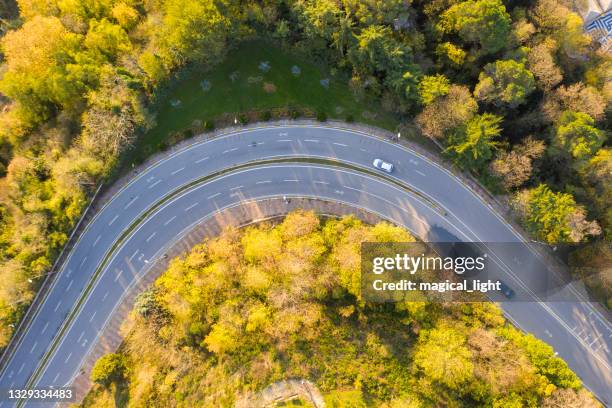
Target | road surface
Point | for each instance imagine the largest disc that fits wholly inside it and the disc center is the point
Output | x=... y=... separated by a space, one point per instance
x=577 y=330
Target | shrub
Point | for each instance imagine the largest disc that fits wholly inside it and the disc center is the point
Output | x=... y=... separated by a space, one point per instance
x=321 y=116
x=243 y=119
x=350 y=118
x=294 y=113
x=108 y=368
x=209 y=126
x=266 y=115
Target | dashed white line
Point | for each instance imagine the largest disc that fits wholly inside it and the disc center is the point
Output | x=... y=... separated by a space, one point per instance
x=202 y=159
x=67 y=358
x=105 y=296
x=45 y=328
x=321 y=182
x=33 y=347
x=229 y=150
x=83 y=261
x=92 y=316
x=132 y=201
x=69 y=272
x=154 y=184
x=113 y=220
x=170 y=220
x=421 y=173
x=339 y=144
x=151 y=236
x=284 y=140
x=236 y=188
x=21 y=368
x=363 y=150
x=264 y=182
x=55 y=378
x=291 y=180
x=118 y=275
x=353 y=188
x=81 y=336
x=97 y=240
x=57 y=306
x=312 y=140
x=177 y=171
x=133 y=255
x=69 y=285
x=214 y=195
x=192 y=206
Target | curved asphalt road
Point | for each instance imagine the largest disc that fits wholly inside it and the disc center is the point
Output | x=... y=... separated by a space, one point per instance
x=576 y=330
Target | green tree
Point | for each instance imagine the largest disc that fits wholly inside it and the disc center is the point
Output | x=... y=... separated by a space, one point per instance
x=553 y=217
x=482 y=22
x=108 y=368
x=442 y=355
x=576 y=133
x=505 y=83
x=433 y=86
x=448 y=112
x=473 y=145
x=106 y=39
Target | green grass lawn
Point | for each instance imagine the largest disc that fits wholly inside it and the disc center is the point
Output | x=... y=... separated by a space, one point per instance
x=237 y=85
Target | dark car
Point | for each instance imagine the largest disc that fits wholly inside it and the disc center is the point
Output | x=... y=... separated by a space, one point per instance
x=506 y=290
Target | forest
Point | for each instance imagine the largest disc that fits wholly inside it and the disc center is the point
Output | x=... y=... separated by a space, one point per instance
x=515 y=92
x=277 y=301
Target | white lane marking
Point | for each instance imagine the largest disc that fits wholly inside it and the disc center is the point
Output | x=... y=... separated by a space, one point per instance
x=236 y=188
x=57 y=306
x=353 y=188
x=363 y=150
x=113 y=220
x=69 y=285
x=421 y=173
x=339 y=192
x=151 y=236
x=214 y=195
x=312 y=140
x=133 y=255
x=201 y=160
x=68 y=273
x=33 y=347
x=68 y=358
x=229 y=150
x=339 y=144
x=177 y=171
x=154 y=184
x=192 y=206
x=132 y=201
x=291 y=180
x=81 y=336
x=11 y=374
x=83 y=261
x=284 y=140
x=45 y=328
x=55 y=378
x=105 y=296
x=92 y=316
x=97 y=240
x=118 y=275
x=21 y=368
x=320 y=182
x=264 y=182
x=283 y=134
x=170 y=220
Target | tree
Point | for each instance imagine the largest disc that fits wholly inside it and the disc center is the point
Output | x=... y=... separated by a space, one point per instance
x=481 y=22
x=106 y=39
x=433 y=86
x=541 y=62
x=504 y=83
x=576 y=133
x=108 y=368
x=553 y=217
x=473 y=145
x=447 y=112
x=442 y=355
x=569 y=398
x=38 y=75
x=319 y=18
x=596 y=175
x=377 y=51
x=515 y=167
x=450 y=54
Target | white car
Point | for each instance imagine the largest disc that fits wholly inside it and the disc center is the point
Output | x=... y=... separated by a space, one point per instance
x=383 y=165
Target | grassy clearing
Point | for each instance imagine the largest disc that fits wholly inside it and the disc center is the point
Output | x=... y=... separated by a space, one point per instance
x=237 y=85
